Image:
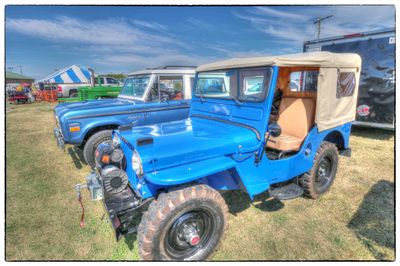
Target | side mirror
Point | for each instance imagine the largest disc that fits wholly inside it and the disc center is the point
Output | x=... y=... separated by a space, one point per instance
x=274 y=130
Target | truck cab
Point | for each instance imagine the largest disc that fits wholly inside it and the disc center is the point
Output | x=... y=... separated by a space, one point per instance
x=108 y=81
x=148 y=96
x=273 y=124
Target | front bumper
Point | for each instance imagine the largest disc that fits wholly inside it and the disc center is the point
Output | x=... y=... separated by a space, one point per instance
x=123 y=209
x=59 y=137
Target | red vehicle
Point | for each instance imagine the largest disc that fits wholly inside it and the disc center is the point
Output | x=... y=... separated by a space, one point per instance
x=18 y=97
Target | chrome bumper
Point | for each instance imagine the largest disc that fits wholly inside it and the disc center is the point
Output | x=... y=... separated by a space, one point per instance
x=59 y=137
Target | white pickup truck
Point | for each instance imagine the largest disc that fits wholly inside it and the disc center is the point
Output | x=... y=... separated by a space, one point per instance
x=71 y=90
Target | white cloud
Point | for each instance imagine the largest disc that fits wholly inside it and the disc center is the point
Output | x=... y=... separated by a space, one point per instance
x=162 y=59
x=119 y=42
x=200 y=24
x=61 y=29
x=274 y=12
x=295 y=24
x=150 y=25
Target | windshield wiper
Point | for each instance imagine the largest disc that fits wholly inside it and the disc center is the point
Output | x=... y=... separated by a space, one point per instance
x=236 y=100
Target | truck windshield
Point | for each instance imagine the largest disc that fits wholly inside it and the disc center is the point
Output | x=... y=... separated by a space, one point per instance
x=249 y=84
x=135 y=86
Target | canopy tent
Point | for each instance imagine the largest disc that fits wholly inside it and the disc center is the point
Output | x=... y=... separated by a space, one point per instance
x=332 y=109
x=71 y=74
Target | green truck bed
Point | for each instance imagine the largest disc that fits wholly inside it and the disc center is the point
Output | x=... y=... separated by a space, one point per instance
x=93 y=93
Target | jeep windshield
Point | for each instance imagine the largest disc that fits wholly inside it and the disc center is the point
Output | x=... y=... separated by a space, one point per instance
x=249 y=84
x=135 y=86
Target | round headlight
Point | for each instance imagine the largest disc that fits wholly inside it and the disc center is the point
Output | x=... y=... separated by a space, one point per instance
x=137 y=163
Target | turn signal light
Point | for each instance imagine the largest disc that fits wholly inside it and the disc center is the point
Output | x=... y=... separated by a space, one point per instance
x=105 y=159
x=74 y=129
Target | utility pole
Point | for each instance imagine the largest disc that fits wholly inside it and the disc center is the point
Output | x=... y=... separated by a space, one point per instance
x=20 y=69
x=318 y=22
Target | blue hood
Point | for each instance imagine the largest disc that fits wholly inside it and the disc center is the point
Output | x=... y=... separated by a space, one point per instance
x=97 y=107
x=189 y=140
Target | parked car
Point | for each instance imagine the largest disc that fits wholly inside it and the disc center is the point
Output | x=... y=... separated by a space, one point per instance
x=142 y=101
x=18 y=97
x=171 y=171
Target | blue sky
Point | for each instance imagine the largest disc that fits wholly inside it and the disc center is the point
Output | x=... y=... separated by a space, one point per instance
x=124 y=38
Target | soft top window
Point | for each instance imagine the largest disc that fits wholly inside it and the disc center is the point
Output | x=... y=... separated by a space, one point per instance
x=346 y=84
x=303 y=81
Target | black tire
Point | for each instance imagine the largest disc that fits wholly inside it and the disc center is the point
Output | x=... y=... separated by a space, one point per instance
x=73 y=95
x=161 y=233
x=92 y=143
x=319 y=179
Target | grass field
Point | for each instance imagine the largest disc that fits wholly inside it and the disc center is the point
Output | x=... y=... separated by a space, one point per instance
x=353 y=221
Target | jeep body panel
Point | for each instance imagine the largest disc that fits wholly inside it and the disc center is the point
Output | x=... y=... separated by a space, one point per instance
x=232 y=170
x=198 y=138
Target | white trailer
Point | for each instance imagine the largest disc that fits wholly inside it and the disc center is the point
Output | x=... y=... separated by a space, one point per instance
x=376 y=98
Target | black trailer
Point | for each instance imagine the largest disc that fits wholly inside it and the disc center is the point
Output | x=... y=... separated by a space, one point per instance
x=376 y=98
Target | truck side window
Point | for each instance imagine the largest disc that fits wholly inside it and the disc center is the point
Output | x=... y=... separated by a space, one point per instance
x=111 y=81
x=303 y=81
x=171 y=88
x=346 y=84
x=97 y=79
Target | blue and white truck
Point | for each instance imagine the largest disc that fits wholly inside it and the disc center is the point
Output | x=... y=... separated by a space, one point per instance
x=148 y=96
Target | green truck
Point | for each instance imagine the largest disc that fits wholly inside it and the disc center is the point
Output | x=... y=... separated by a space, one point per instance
x=100 y=89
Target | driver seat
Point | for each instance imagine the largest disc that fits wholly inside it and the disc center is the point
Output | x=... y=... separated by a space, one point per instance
x=296 y=117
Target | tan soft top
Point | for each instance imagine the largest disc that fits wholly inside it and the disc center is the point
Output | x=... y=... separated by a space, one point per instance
x=317 y=59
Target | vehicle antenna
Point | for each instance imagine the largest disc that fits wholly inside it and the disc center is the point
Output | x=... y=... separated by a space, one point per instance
x=318 y=22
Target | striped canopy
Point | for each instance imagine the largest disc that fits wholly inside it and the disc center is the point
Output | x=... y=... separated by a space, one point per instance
x=71 y=74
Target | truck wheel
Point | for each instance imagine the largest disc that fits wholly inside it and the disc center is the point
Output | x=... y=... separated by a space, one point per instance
x=319 y=179
x=185 y=224
x=73 y=95
x=92 y=143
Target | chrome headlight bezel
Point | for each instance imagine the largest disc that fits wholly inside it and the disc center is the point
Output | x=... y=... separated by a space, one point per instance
x=116 y=139
x=137 y=165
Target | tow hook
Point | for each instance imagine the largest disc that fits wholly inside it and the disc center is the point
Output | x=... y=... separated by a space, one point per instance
x=78 y=188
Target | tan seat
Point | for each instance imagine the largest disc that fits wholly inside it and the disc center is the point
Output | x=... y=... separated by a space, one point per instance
x=296 y=117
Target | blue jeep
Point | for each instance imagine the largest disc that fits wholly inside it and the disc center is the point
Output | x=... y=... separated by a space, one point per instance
x=148 y=96
x=273 y=124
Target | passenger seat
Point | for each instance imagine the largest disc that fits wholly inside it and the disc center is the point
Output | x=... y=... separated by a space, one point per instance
x=296 y=117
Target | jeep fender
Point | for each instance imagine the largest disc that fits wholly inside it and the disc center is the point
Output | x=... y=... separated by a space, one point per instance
x=190 y=172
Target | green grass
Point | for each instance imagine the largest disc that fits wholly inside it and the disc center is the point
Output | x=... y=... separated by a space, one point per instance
x=353 y=221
